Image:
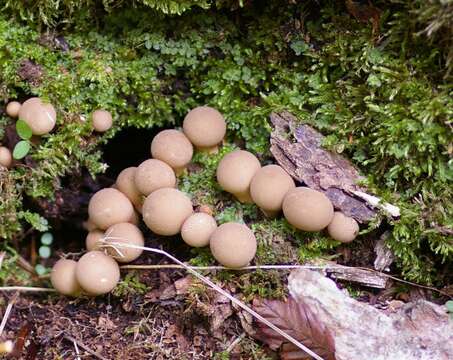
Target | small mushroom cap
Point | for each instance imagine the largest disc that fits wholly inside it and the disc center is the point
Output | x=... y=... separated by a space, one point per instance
x=125 y=233
x=233 y=245
x=236 y=170
x=92 y=239
x=269 y=186
x=6 y=159
x=97 y=273
x=102 y=120
x=204 y=126
x=63 y=277
x=307 y=209
x=173 y=148
x=343 y=228
x=197 y=229
x=165 y=210
x=153 y=174
x=125 y=182
x=108 y=207
x=39 y=116
x=12 y=109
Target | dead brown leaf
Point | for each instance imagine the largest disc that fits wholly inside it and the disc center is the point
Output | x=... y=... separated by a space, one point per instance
x=298 y=321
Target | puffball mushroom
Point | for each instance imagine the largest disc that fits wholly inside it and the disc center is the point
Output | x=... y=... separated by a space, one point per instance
x=108 y=207
x=165 y=210
x=173 y=148
x=197 y=229
x=12 y=109
x=39 y=116
x=153 y=174
x=97 y=273
x=6 y=159
x=125 y=182
x=92 y=241
x=102 y=120
x=307 y=209
x=63 y=277
x=124 y=233
x=205 y=127
x=343 y=228
x=233 y=245
x=268 y=188
x=235 y=172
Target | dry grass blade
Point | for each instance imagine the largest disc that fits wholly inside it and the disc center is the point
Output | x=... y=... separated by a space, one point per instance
x=217 y=288
x=298 y=321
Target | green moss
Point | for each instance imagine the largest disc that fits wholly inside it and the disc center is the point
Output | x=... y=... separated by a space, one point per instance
x=384 y=104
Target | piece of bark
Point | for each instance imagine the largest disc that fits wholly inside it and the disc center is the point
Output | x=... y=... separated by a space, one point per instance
x=361 y=276
x=419 y=330
x=384 y=256
x=306 y=161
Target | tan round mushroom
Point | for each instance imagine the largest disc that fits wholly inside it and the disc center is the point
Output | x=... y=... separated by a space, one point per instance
x=6 y=159
x=125 y=182
x=97 y=273
x=153 y=174
x=128 y=234
x=135 y=218
x=343 y=228
x=92 y=241
x=307 y=209
x=173 y=148
x=12 y=109
x=39 y=116
x=205 y=127
x=233 y=245
x=268 y=188
x=165 y=210
x=108 y=207
x=63 y=277
x=235 y=172
x=102 y=120
x=197 y=229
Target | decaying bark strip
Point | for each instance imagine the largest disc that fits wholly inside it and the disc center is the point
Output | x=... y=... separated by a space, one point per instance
x=306 y=161
x=361 y=276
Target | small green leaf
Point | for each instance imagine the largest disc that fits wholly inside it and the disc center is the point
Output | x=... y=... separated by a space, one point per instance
x=21 y=149
x=44 y=252
x=40 y=269
x=23 y=130
x=449 y=305
x=46 y=238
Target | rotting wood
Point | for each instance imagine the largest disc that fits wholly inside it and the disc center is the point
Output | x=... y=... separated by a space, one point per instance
x=307 y=162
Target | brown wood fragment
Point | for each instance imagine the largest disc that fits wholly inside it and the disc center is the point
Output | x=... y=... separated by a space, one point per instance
x=298 y=149
x=361 y=276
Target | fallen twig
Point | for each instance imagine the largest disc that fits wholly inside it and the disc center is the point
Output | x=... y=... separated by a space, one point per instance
x=234 y=343
x=279 y=267
x=223 y=292
x=26 y=288
x=83 y=346
x=6 y=315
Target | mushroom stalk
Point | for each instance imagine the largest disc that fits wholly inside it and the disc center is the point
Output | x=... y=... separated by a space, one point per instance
x=208 y=150
x=244 y=197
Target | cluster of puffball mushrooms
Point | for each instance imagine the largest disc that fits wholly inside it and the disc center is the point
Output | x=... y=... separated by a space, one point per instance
x=150 y=190
x=41 y=118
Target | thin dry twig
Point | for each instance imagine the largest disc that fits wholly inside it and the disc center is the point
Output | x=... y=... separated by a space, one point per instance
x=26 y=288
x=234 y=343
x=279 y=267
x=223 y=292
x=6 y=315
x=83 y=346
